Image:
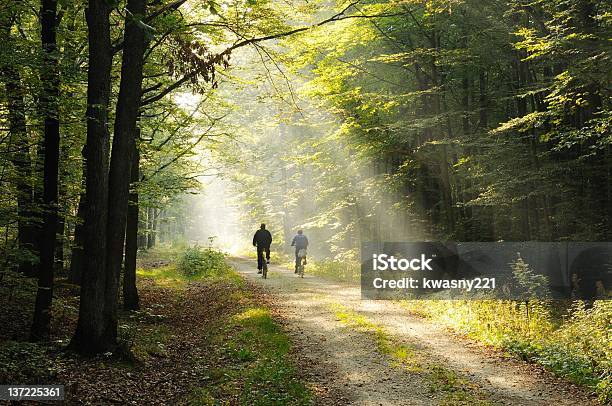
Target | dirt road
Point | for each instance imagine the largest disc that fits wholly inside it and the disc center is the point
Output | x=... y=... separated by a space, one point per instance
x=365 y=352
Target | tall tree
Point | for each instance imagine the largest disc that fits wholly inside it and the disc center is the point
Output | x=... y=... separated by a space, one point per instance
x=124 y=139
x=49 y=102
x=91 y=335
x=130 y=292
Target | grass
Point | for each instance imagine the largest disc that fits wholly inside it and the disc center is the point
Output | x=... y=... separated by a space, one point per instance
x=402 y=354
x=252 y=353
x=164 y=276
x=348 y=272
x=248 y=354
x=259 y=370
x=454 y=389
x=168 y=276
x=175 y=269
x=144 y=340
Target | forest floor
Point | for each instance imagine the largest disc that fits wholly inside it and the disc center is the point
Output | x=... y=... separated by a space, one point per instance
x=354 y=351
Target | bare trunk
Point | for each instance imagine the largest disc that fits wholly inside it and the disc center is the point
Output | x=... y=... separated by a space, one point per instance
x=76 y=257
x=150 y=230
x=89 y=337
x=59 y=242
x=128 y=106
x=130 y=291
x=50 y=106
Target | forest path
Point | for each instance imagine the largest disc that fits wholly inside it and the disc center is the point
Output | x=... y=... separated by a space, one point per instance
x=348 y=349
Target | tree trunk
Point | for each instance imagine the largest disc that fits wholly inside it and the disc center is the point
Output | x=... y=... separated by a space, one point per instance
x=50 y=104
x=150 y=241
x=89 y=337
x=142 y=228
x=130 y=292
x=483 y=100
x=63 y=203
x=76 y=257
x=128 y=106
x=155 y=226
x=15 y=94
x=59 y=242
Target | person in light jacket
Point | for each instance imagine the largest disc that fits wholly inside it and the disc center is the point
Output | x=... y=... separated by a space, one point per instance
x=300 y=242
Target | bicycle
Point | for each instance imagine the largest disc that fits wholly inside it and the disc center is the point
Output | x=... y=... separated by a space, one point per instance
x=302 y=262
x=264 y=269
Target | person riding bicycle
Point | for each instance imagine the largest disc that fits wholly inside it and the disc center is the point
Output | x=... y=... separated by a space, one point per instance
x=300 y=242
x=262 y=240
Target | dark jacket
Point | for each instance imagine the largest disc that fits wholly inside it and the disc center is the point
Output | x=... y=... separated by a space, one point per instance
x=299 y=241
x=262 y=238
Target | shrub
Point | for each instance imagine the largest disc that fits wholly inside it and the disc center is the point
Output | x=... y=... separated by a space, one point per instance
x=196 y=261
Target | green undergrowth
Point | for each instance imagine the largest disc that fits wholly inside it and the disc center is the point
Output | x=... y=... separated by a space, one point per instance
x=347 y=271
x=27 y=362
x=164 y=276
x=248 y=358
x=144 y=339
x=453 y=388
x=23 y=362
x=197 y=262
x=162 y=253
x=573 y=342
x=192 y=264
x=257 y=368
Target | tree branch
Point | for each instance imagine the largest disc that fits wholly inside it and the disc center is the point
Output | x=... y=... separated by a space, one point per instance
x=167 y=90
x=336 y=17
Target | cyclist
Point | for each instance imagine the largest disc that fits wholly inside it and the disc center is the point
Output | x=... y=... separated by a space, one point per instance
x=262 y=240
x=300 y=242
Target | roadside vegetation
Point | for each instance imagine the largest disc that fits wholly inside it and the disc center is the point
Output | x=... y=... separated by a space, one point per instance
x=572 y=339
x=574 y=343
x=347 y=271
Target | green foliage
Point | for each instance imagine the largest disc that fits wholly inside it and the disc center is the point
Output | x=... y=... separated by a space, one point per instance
x=145 y=341
x=22 y=362
x=528 y=283
x=345 y=271
x=260 y=341
x=576 y=346
x=202 y=262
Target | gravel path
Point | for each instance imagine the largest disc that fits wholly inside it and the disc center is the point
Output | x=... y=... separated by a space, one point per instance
x=345 y=367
